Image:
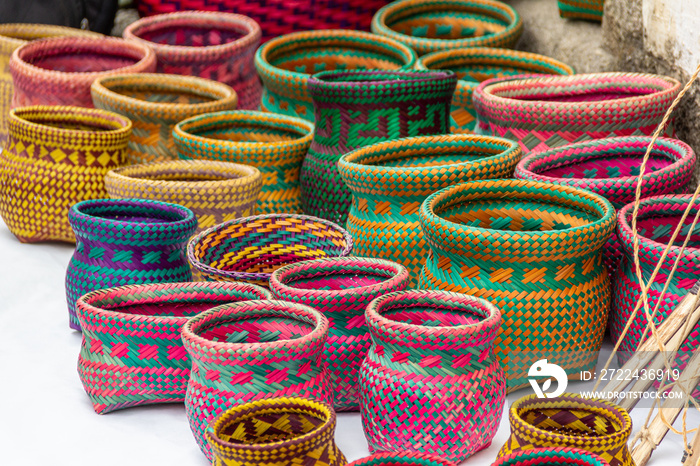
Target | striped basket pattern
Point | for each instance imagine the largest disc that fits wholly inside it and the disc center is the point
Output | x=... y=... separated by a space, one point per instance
x=582 y=9
x=546 y=112
x=390 y=180
x=397 y=458
x=474 y=65
x=215 y=191
x=132 y=353
x=155 y=103
x=13 y=36
x=276 y=432
x=534 y=250
x=59 y=154
x=341 y=288
x=592 y=425
x=431 y=25
x=252 y=350
x=60 y=71
x=286 y=63
x=275 y=144
x=551 y=456
x=125 y=242
x=610 y=167
x=249 y=249
x=431 y=382
x=358 y=108
x=212 y=45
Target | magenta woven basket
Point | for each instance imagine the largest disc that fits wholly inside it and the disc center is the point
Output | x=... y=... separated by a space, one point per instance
x=277 y=17
x=132 y=353
x=216 y=46
x=545 y=112
x=610 y=167
x=251 y=350
x=341 y=288
x=60 y=71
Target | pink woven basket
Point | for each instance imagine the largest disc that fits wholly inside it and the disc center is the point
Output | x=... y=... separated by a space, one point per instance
x=60 y=71
x=216 y=46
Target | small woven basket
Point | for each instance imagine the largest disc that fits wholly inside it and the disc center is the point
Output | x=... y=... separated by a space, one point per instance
x=431 y=25
x=212 y=45
x=125 y=242
x=286 y=63
x=252 y=350
x=13 y=36
x=275 y=144
x=249 y=249
x=215 y=191
x=398 y=458
x=582 y=9
x=595 y=426
x=155 y=103
x=60 y=71
x=55 y=157
x=610 y=167
x=341 y=288
x=545 y=112
x=551 y=456
x=275 y=432
x=132 y=353
x=476 y=64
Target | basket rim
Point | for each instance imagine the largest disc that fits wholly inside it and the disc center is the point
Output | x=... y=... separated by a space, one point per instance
x=187 y=217
x=76 y=113
x=380 y=458
x=555 y=452
x=42 y=31
x=422 y=77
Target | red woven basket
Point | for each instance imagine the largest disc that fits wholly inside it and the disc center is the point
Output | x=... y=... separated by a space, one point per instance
x=61 y=71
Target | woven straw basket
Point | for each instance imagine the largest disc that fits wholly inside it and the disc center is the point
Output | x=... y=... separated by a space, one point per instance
x=132 y=353
x=155 y=103
x=286 y=63
x=551 y=456
x=582 y=9
x=398 y=458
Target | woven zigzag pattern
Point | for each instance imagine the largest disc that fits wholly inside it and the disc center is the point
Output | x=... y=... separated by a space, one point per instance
x=582 y=9
x=398 y=458
x=252 y=350
x=341 y=288
x=431 y=382
x=596 y=426
x=551 y=456
x=131 y=352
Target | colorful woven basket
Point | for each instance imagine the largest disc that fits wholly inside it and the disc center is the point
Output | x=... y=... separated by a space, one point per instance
x=534 y=250
x=545 y=112
x=216 y=46
x=476 y=64
x=275 y=144
x=132 y=353
x=341 y=288
x=431 y=25
x=610 y=167
x=657 y=219
x=247 y=351
x=551 y=456
x=286 y=63
x=357 y=108
x=13 y=36
x=595 y=426
x=125 y=242
x=430 y=382
x=582 y=9
x=390 y=180
x=249 y=249
x=60 y=71
x=55 y=157
x=276 y=432
x=277 y=17
x=398 y=458
x=215 y=191
x=155 y=103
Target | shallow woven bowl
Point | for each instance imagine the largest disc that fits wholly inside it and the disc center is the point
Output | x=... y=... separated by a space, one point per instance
x=474 y=65
x=60 y=71
x=398 y=458
x=431 y=25
x=249 y=249
x=275 y=144
x=212 y=45
x=155 y=103
x=215 y=191
x=286 y=63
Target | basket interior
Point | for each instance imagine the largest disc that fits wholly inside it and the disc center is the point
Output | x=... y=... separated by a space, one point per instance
x=81 y=59
x=336 y=280
x=74 y=121
x=169 y=308
x=258 y=328
x=269 y=426
x=192 y=35
x=133 y=213
x=478 y=69
x=163 y=94
x=605 y=165
x=195 y=175
x=432 y=316
x=573 y=90
x=572 y=422
x=240 y=131
x=659 y=225
x=447 y=23
x=420 y=158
